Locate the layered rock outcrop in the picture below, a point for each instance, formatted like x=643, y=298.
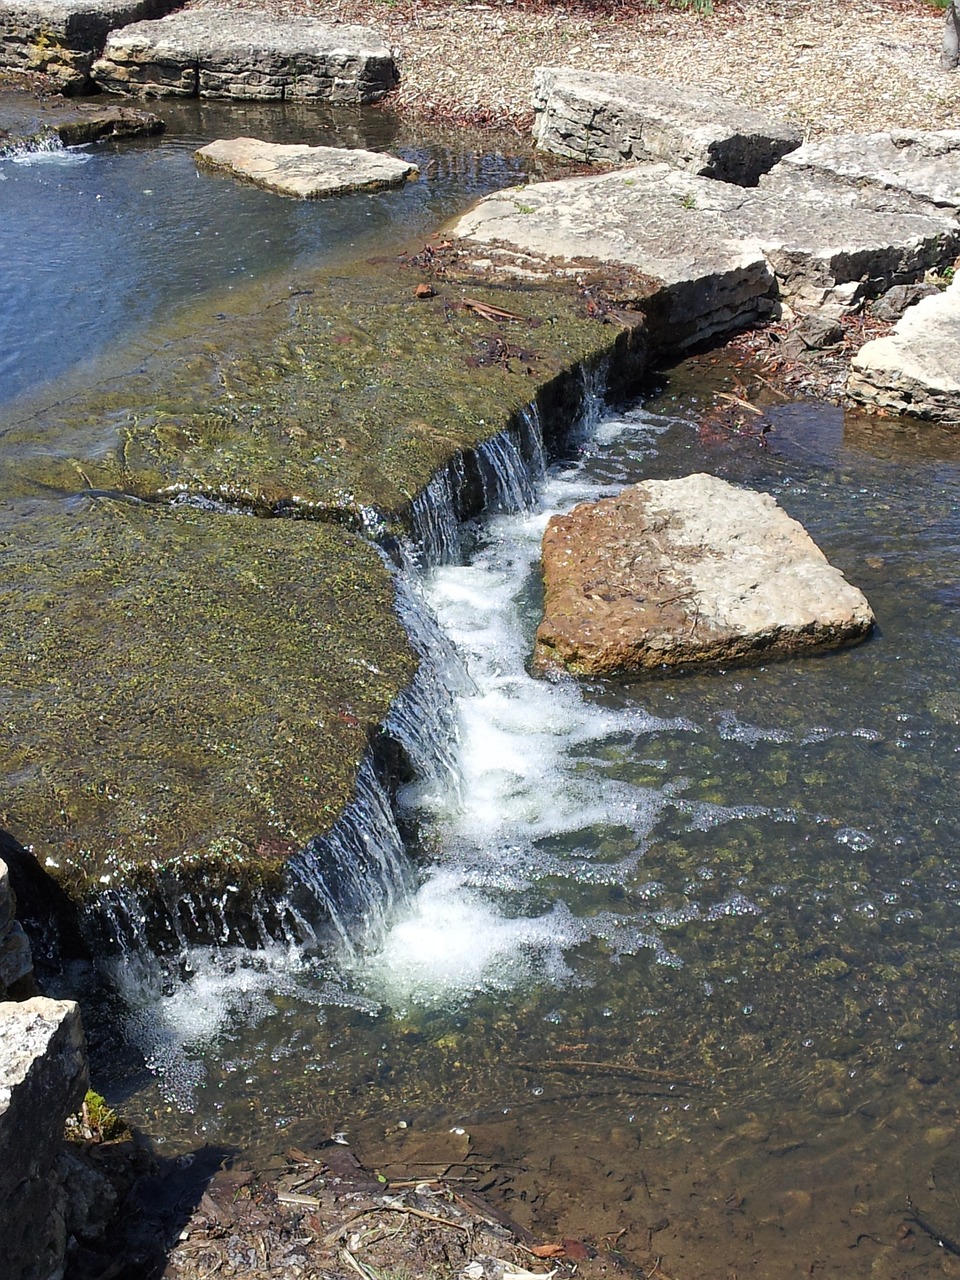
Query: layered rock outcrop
x=60, y=39
x=915, y=370
x=599, y=117
x=921, y=165
x=686, y=573
x=724, y=255
x=16, y=961
x=218, y=53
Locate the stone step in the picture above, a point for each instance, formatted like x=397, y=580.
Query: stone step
x=723, y=253
x=601, y=117
x=306, y=173
x=687, y=573
x=61, y=38
x=216, y=53
x=915, y=370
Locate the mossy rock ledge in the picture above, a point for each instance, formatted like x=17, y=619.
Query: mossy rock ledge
x=187, y=691
x=186, y=698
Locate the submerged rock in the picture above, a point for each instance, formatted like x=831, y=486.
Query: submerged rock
x=224, y=53
x=81, y=125
x=340, y=402
x=915, y=370
x=598, y=116
x=302, y=171
x=186, y=695
x=683, y=573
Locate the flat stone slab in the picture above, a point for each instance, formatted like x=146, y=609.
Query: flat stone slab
x=597, y=116
x=715, y=246
x=61, y=38
x=923, y=164
x=915, y=370
x=684, y=573
x=301, y=171
x=219, y=53
x=201, y=705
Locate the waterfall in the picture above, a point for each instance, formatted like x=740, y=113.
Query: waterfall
x=341, y=890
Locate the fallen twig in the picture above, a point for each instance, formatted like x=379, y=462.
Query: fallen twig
x=578, y=1066
x=488, y=312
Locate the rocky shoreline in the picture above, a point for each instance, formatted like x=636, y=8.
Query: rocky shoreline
x=311, y=411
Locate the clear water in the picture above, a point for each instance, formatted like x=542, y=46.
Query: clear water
x=682, y=957
x=693, y=938
x=100, y=242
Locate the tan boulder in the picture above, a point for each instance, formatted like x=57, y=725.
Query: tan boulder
x=687, y=572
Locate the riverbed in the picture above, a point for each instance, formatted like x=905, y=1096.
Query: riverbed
x=677, y=965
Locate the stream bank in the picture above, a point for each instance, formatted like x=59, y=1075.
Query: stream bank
x=444, y=1046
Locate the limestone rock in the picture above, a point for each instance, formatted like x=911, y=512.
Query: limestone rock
x=915, y=370
x=82, y=125
x=921, y=164
x=600, y=116
x=94, y=124
x=302, y=171
x=683, y=573
x=663, y=223
x=895, y=301
x=43, y=1079
x=61, y=38
x=716, y=247
x=217, y=53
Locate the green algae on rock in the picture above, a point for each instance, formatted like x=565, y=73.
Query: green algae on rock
x=347, y=396
x=185, y=696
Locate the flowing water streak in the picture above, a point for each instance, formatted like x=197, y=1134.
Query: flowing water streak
x=526, y=815
x=344, y=889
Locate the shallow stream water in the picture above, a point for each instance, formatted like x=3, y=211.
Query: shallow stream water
x=680, y=972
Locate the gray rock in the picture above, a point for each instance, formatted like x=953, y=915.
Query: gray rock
x=302, y=171
x=687, y=572
x=90, y=1197
x=600, y=116
x=61, y=38
x=922, y=165
x=16, y=960
x=217, y=53
x=43, y=1078
x=716, y=247
x=895, y=301
x=915, y=370
x=817, y=331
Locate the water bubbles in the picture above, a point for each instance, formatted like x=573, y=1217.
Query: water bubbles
x=854, y=839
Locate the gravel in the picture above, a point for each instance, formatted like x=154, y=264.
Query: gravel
x=830, y=66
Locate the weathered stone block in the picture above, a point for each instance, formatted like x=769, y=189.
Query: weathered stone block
x=715, y=246
x=43, y=1078
x=915, y=370
x=921, y=165
x=301, y=171
x=215, y=53
x=61, y=38
x=689, y=572
x=599, y=116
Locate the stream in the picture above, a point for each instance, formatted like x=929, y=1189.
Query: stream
x=679, y=958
